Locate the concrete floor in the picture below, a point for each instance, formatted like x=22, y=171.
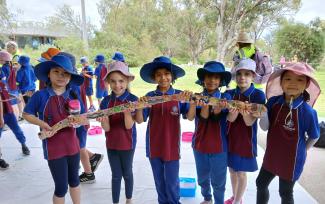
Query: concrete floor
x=29, y=181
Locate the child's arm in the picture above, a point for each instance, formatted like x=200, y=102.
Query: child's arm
x=247, y=117
x=204, y=111
x=264, y=122
x=2, y=123
x=36, y=121
x=104, y=121
x=192, y=111
x=128, y=120
x=310, y=143
x=139, y=112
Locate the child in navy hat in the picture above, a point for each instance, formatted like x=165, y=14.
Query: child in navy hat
x=209, y=141
x=242, y=134
x=26, y=78
x=87, y=72
x=46, y=108
x=163, y=131
x=100, y=72
x=89, y=160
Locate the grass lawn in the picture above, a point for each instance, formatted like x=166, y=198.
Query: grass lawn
x=140, y=88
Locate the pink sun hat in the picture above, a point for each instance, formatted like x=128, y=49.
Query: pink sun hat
x=118, y=66
x=5, y=56
x=273, y=86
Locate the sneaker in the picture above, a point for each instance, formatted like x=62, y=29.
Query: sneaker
x=128, y=201
x=230, y=200
x=91, y=109
x=87, y=178
x=25, y=149
x=206, y=202
x=3, y=164
x=95, y=161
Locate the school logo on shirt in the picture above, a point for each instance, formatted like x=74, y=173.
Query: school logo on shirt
x=289, y=125
x=174, y=110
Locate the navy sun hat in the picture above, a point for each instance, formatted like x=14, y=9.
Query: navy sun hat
x=214, y=67
x=148, y=69
x=42, y=69
x=100, y=58
x=118, y=56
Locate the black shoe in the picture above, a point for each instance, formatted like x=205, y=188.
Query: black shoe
x=87, y=178
x=25, y=149
x=95, y=161
x=3, y=164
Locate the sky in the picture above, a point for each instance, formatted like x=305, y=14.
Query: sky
x=37, y=10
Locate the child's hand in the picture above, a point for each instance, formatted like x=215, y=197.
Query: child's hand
x=143, y=100
x=245, y=111
x=186, y=95
x=233, y=110
x=103, y=119
x=45, y=126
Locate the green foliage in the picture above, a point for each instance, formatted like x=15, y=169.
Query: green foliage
x=305, y=41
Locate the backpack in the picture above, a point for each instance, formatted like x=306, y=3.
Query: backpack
x=264, y=67
x=321, y=141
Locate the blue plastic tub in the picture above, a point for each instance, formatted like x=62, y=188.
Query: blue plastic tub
x=187, y=187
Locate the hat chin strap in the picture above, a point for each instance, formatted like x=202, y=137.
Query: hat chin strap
x=288, y=120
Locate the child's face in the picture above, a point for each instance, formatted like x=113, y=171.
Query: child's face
x=244, y=78
x=118, y=83
x=293, y=84
x=163, y=77
x=11, y=49
x=211, y=82
x=59, y=77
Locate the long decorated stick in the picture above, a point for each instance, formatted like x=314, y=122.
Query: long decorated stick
x=82, y=119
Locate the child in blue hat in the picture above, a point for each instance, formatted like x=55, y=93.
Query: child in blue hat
x=209, y=141
x=26, y=78
x=163, y=131
x=100, y=72
x=46, y=108
x=87, y=72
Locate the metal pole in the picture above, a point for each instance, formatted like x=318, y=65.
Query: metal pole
x=84, y=25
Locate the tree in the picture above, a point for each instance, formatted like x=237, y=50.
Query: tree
x=232, y=16
x=305, y=41
x=6, y=20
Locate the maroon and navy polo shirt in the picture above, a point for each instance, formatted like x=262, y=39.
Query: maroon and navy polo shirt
x=118, y=137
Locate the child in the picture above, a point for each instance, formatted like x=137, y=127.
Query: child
x=89, y=160
x=163, y=131
x=292, y=126
x=8, y=113
x=120, y=130
x=26, y=78
x=242, y=133
x=209, y=141
x=51, y=106
x=87, y=72
x=100, y=72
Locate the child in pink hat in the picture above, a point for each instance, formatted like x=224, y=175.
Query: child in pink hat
x=120, y=130
x=291, y=93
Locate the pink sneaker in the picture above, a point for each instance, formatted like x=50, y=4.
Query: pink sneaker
x=229, y=201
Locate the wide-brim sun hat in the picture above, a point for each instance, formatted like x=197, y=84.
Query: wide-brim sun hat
x=118, y=56
x=5, y=56
x=148, y=69
x=244, y=64
x=119, y=66
x=100, y=58
x=214, y=67
x=243, y=37
x=273, y=86
x=42, y=69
